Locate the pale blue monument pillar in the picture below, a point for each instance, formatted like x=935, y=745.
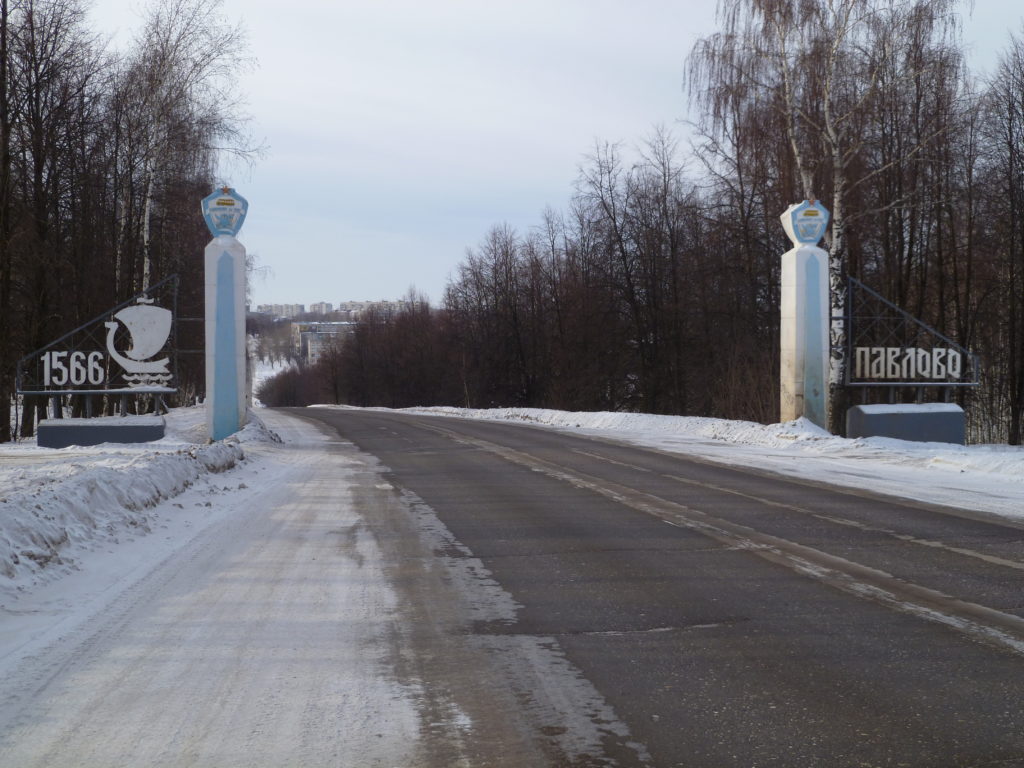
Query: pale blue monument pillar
x=805, y=305
x=226, y=397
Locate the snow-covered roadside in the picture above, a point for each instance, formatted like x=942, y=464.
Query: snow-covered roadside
x=57, y=504
x=79, y=525
x=984, y=478
x=295, y=609
x=209, y=635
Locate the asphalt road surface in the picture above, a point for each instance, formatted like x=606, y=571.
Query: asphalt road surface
x=704, y=616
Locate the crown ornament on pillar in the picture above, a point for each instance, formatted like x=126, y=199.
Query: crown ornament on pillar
x=224, y=212
x=805, y=222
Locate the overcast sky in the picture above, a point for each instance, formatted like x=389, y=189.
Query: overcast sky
x=399, y=131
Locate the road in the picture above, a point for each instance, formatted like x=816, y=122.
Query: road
x=386, y=590
x=714, y=616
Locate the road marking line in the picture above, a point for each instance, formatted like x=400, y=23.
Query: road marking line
x=975, y=620
x=992, y=559
x=599, y=457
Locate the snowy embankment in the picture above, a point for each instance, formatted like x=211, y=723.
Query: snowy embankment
x=55, y=504
x=984, y=478
x=58, y=505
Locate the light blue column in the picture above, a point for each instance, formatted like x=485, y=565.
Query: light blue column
x=224, y=212
x=814, y=346
x=804, y=316
x=225, y=378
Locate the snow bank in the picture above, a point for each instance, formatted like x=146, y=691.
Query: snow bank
x=800, y=436
x=748, y=432
x=53, y=502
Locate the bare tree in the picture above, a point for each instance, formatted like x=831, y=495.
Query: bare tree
x=181, y=101
x=1006, y=126
x=819, y=63
x=6, y=272
x=102, y=161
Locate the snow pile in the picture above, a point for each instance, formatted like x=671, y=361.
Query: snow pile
x=255, y=431
x=987, y=478
x=53, y=502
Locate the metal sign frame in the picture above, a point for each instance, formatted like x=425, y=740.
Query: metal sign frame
x=874, y=321
x=86, y=340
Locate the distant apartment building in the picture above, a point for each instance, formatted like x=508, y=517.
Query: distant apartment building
x=282, y=310
x=311, y=339
x=353, y=310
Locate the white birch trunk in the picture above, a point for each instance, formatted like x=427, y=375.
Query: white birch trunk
x=837, y=300
x=146, y=214
x=121, y=217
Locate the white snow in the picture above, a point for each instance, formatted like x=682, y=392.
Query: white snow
x=266, y=369
x=80, y=524
x=153, y=581
x=57, y=503
x=983, y=478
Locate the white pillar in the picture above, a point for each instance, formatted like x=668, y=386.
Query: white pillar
x=804, y=301
x=226, y=395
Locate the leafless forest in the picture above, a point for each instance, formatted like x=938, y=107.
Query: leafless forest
x=103, y=159
x=656, y=287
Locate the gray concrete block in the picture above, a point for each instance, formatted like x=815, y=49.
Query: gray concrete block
x=61, y=433
x=928, y=423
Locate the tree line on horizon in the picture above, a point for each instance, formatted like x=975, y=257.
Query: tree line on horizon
x=104, y=158
x=656, y=288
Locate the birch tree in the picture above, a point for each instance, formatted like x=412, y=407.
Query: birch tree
x=182, y=99
x=1006, y=125
x=818, y=63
